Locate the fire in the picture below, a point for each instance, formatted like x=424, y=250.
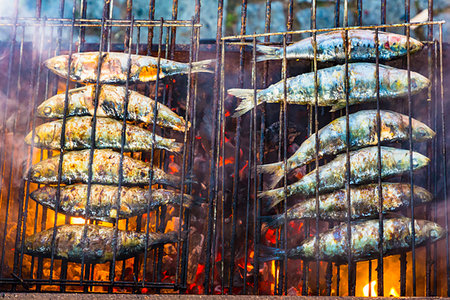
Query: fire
x=77, y=221
x=372, y=291
x=392, y=293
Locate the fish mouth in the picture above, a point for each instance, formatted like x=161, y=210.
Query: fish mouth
x=57, y=64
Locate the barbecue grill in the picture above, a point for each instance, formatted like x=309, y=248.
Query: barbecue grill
x=221, y=254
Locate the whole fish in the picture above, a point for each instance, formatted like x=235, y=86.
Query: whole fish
x=363, y=132
x=105, y=170
x=331, y=87
x=114, y=67
x=363, y=169
x=97, y=247
x=111, y=103
x=332, y=244
x=133, y=200
x=364, y=203
x=108, y=134
x=330, y=47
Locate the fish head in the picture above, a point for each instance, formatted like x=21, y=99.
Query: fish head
x=420, y=131
x=418, y=82
x=431, y=230
x=45, y=134
x=44, y=171
x=44, y=195
x=418, y=160
x=53, y=107
x=421, y=195
x=58, y=65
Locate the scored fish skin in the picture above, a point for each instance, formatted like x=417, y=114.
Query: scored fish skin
x=111, y=103
x=331, y=83
x=105, y=170
x=364, y=203
x=99, y=243
x=108, y=135
x=114, y=68
x=363, y=132
x=330, y=47
x=397, y=236
x=133, y=201
x=363, y=169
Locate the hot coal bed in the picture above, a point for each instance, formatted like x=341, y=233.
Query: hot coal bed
x=223, y=245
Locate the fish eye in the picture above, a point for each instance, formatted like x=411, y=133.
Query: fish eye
x=47, y=110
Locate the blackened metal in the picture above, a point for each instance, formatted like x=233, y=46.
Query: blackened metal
x=316, y=131
x=106, y=30
x=117, y=205
x=359, y=6
x=151, y=16
x=338, y=278
x=411, y=177
x=152, y=152
x=92, y=141
x=211, y=191
x=383, y=12
x=370, y=278
x=403, y=263
x=22, y=221
x=128, y=34
x=4, y=107
x=81, y=39
x=380, y=270
x=237, y=151
x=444, y=156
x=290, y=20
x=436, y=153
x=255, y=174
x=283, y=123
x=337, y=13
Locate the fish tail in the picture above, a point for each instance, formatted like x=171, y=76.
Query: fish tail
x=276, y=171
x=247, y=102
x=271, y=197
x=169, y=237
x=269, y=53
x=272, y=221
x=176, y=147
x=206, y=66
x=270, y=253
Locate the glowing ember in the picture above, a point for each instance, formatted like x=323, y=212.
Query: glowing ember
x=77, y=221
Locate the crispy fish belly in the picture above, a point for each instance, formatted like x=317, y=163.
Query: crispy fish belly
x=330, y=47
x=103, y=198
x=364, y=203
x=397, y=236
x=114, y=67
x=98, y=246
x=105, y=170
x=363, y=169
x=108, y=134
x=111, y=103
x=331, y=87
x=362, y=132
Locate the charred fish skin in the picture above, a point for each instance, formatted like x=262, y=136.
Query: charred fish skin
x=98, y=246
x=108, y=135
x=397, y=236
x=134, y=201
x=111, y=103
x=362, y=132
x=331, y=91
x=330, y=47
x=114, y=67
x=364, y=203
x=105, y=170
x=363, y=169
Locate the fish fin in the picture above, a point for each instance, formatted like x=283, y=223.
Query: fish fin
x=272, y=221
x=267, y=253
x=246, y=103
x=276, y=171
x=206, y=66
x=270, y=53
x=271, y=197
